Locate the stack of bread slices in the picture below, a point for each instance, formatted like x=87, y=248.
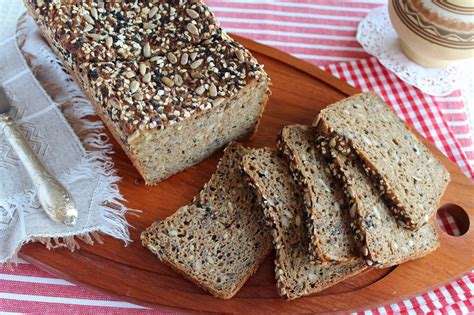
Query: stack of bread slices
x=356, y=190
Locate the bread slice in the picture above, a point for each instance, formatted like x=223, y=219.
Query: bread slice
x=283, y=207
x=328, y=215
x=218, y=241
x=409, y=177
x=381, y=240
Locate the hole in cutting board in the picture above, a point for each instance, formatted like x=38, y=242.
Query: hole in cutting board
x=453, y=219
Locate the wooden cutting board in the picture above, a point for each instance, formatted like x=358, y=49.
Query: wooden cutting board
x=132, y=273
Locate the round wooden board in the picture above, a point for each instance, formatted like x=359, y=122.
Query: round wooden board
x=299, y=92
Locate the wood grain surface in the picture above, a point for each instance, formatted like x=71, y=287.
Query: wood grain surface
x=132, y=273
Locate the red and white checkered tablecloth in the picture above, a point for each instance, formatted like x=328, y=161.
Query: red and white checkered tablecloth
x=323, y=33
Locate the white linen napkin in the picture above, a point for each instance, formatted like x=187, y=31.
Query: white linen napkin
x=73, y=147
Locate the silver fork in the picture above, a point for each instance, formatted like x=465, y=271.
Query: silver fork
x=53, y=196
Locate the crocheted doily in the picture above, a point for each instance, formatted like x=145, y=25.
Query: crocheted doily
x=378, y=37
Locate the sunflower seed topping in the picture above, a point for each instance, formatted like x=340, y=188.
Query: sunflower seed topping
x=88, y=28
x=167, y=81
x=186, y=51
x=178, y=80
x=134, y=86
x=212, y=90
x=184, y=58
x=94, y=13
x=192, y=29
x=196, y=64
x=172, y=58
x=129, y=74
x=147, y=78
x=147, y=50
x=88, y=19
x=149, y=26
x=152, y=12
x=109, y=41
x=142, y=68
x=200, y=90
x=240, y=55
x=95, y=37
x=192, y=14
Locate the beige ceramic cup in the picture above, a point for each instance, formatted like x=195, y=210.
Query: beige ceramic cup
x=434, y=33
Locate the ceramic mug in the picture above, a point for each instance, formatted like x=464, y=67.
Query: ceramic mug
x=434, y=33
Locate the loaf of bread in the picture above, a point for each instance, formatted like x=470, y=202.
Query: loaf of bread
x=407, y=174
x=326, y=208
x=381, y=240
x=283, y=207
x=169, y=83
x=220, y=239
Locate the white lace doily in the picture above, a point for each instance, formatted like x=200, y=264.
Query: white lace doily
x=378, y=37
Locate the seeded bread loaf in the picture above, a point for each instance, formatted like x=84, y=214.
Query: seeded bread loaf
x=328, y=216
x=283, y=207
x=220, y=239
x=409, y=177
x=169, y=83
x=381, y=240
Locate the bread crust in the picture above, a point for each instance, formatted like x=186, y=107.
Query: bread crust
x=362, y=228
x=125, y=140
x=245, y=212
x=217, y=293
x=345, y=146
x=317, y=252
x=351, y=268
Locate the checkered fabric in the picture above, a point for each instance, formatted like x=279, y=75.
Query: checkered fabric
x=323, y=33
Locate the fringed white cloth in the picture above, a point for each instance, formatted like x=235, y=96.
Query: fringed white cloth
x=52, y=112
